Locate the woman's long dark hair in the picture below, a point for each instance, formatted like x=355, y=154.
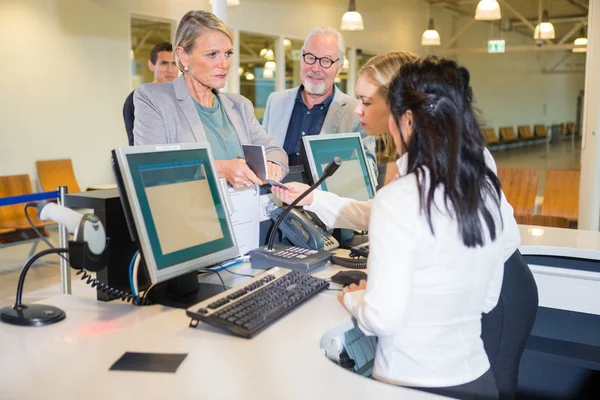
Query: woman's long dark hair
x=447, y=141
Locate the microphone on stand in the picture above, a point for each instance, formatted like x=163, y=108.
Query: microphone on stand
x=267, y=257
x=329, y=170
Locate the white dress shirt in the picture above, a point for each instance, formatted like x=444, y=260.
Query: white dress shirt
x=425, y=293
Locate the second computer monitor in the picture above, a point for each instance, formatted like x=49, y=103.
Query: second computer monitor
x=354, y=179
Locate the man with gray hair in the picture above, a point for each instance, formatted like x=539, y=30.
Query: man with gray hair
x=317, y=106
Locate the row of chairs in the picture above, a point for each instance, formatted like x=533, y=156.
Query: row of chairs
x=507, y=134
x=560, y=205
x=14, y=227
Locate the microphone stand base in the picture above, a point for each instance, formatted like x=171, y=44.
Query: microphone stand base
x=32, y=315
x=290, y=257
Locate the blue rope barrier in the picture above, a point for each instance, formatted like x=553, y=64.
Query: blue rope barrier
x=7, y=201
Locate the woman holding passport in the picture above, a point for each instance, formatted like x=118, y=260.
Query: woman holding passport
x=439, y=236
x=192, y=109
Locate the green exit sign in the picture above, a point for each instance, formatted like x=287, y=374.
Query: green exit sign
x=495, y=46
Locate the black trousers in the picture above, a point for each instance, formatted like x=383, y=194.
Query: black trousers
x=482, y=388
x=505, y=329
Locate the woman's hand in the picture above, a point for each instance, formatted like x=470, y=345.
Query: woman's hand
x=237, y=173
x=295, y=190
x=362, y=285
x=274, y=171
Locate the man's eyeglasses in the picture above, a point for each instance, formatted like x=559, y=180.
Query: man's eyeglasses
x=324, y=62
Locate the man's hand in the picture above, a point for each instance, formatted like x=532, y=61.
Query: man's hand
x=237, y=173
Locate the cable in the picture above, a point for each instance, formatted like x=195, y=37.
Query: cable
x=49, y=243
x=237, y=273
x=131, y=271
x=218, y=274
x=352, y=263
x=136, y=266
x=104, y=288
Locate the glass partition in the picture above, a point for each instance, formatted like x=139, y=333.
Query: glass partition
x=257, y=69
x=145, y=34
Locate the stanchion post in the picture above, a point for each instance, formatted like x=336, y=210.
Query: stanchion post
x=63, y=243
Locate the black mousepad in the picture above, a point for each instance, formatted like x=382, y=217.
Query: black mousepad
x=148, y=362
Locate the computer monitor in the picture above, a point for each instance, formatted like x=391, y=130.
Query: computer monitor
x=354, y=179
x=175, y=208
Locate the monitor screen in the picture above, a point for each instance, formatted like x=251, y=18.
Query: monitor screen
x=177, y=207
x=354, y=178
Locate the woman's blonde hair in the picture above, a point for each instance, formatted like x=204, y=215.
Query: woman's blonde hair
x=192, y=25
x=381, y=69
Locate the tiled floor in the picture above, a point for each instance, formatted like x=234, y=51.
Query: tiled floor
x=557, y=156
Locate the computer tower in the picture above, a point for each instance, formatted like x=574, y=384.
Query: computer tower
x=106, y=205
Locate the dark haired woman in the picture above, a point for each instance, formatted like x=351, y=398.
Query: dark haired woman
x=439, y=236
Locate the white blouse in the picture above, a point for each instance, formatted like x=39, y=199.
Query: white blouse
x=425, y=293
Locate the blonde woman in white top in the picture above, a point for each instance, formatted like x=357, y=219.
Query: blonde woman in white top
x=439, y=236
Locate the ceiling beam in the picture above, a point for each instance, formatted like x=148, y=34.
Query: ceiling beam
x=559, y=20
x=460, y=32
x=576, y=3
x=508, y=49
x=572, y=32
x=521, y=17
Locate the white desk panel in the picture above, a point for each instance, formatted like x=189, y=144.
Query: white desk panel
x=537, y=240
x=71, y=359
x=564, y=288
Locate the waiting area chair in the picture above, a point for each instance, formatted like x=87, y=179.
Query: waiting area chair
x=13, y=222
x=525, y=132
x=520, y=188
x=540, y=131
x=507, y=134
x=55, y=173
x=490, y=136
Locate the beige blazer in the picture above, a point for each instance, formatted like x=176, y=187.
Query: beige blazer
x=165, y=113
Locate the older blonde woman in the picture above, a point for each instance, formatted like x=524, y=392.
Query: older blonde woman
x=192, y=109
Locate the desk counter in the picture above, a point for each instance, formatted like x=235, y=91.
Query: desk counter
x=71, y=359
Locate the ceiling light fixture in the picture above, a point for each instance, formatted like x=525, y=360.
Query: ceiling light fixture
x=581, y=39
x=545, y=29
x=271, y=65
x=267, y=73
x=488, y=10
x=430, y=37
x=352, y=20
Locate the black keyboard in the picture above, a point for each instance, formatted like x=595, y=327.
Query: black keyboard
x=250, y=307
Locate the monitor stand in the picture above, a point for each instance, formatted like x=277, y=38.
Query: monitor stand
x=183, y=291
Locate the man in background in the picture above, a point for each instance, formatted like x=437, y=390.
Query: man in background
x=317, y=106
x=162, y=64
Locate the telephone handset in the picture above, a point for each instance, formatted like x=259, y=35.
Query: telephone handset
x=300, y=229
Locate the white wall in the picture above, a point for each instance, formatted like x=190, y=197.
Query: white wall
x=512, y=89
x=66, y=68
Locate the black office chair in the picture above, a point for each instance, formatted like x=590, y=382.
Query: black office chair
x=506, y=328
x=128, y=117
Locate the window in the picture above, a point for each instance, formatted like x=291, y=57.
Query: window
x=257, y=69
x=145, y=34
